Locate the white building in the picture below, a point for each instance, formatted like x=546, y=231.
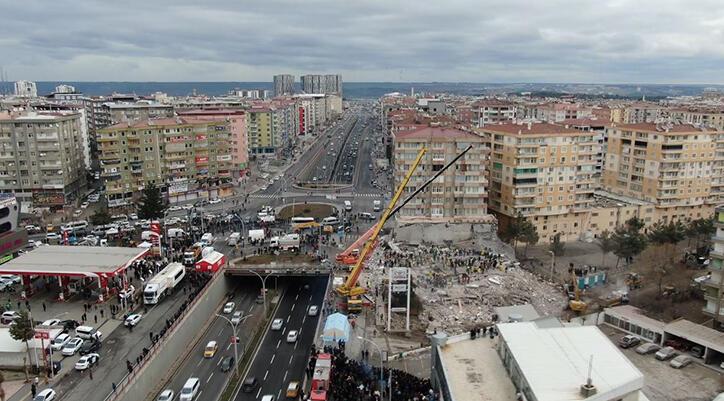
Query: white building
x=64, y=89
x=26, y=89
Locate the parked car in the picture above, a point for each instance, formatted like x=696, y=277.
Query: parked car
x=681, y=361
x=292, y=336
x=69, y=324
x=47, y=394
x=127, y=293
x=89, y=346
x=84, y=205
x=59, y=342
x=227, y=363
x=629, y=341
x=72, y=346
x=647, y=348
x=293, y=389
x=166, y=395
x=229, y=307
x=277, y=324
x=51, y=322
x=214, y=201
x=249, y=384
x=86, y=361
x=9, y=316
x=696, y=351
x=666, y=353
x=52, y=236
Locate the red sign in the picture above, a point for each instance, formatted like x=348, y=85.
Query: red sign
x=200, y=137
x=44, y=335
x=156, y=226
x=202, y=160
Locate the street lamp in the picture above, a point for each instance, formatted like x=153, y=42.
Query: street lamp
x=236, y=338
x=382, y=371
x=263, y=285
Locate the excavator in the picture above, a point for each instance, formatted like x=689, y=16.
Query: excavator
x=575, y=302
x=350, y=289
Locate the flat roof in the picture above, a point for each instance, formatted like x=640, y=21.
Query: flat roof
x=633, y=314
x=555, y=361
x=474, y=371
x=697, y=333
x=90, y=261
x=526, y=312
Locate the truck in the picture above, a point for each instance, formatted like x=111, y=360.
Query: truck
x=256, y=235
x=193, y=254
x=266, y=217
x=163, y=283
x=233, y=239
x=286, y=242
x=376, y=205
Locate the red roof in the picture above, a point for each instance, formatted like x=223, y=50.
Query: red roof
x=653, y=127
x=435, y=132
x=530, y=129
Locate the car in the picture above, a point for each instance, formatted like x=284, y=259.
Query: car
x=52, y=236
x=86, y=361
x=174, y=208
x=72, y=346
x=666, y=353
x=59, y=342
x=84, y=205
x=69, y=324
x=11, y=277
x=31, y=229
x=166, y=395
x=249, y=384
x=210, y=349
x=9, y=316
x=89, y=346
x=132, y=320
x=214, y=201
x=51, y=322
x=236, y=317
x=292, y=336
x=277, y=324
x=133, y=216
x=647, y=348
x=47, y=394
x=128, y=292
x=293, y=389
x=77, y=212
x=267, y=397
x=628, y=341
x=313, y=310
x=229, y=307
x=696, y=351
x=680, y=361
x=227, y=363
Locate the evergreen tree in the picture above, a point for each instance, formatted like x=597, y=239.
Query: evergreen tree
x=22, y=330
x=606, y=243
x=151, y=203
x=665, y=236
x=557, y=246
x=100, y=217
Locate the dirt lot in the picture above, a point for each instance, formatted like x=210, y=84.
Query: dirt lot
x=664, y=383
x=316, y=210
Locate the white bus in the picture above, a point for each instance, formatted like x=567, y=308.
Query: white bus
x=74, y=226
x=297, y=220
x=9, y=213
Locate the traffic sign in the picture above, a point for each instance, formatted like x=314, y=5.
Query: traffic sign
x=41, y=334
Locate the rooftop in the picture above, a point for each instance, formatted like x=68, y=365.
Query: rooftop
x=555, y=361
x=531, y=129
x=162, y=122
x=632, y=313
x=35, y=116
x=697, y=333
x=671, y=128
x=89, y=261
x=437, y=133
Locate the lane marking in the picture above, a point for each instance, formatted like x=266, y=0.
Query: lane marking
x=283, y=330
x=285, y=376
x=297, y=297
x=199, y=364
x=220, y=331
x=289, y=317
x=304, y=319
x=251, y=307
x=258, y=392
x=220, y=359
x=228, y=346
x=310, y=297
x=290, y=359
x=272, y=360
x=295, y=345
x=209, y=379
x=279, y=394
x=266, y=374
x=293, y=305
x=279, y=343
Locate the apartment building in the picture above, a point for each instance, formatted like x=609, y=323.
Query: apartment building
x=283, y=84
x=713, y=286
x=326, y=84
x=237, y=126
x=26, y=89
x=493, y=111
x=42, y=157
x=140, y=110
x=707, y=116
x=554, y=112
x=263, y=131
x=543, y=171
x=312, y=111
x=669, y=165
x=456, y=196
x=187, y=157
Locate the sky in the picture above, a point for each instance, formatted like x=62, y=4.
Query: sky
x=588, y=41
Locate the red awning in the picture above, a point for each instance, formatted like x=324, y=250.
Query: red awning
x=211, y=263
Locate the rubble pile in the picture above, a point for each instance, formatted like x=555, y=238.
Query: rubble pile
x=459, y=288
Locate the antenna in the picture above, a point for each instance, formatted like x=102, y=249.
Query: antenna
x=589, y=389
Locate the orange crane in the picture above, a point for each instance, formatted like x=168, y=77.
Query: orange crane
x=350, y=289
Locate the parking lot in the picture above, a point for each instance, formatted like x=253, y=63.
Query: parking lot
x=663, y=383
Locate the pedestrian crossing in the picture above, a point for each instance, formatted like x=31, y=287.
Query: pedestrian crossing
x=263, y=196
x=291, y=195
x=368, y=195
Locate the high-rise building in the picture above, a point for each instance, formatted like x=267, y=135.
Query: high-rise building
x=42, y=157
x=713, y=286
x=672, y=166
x=459, y=194
x=26, y=89
x=333, y=84
x=65, y=89
x=283, y=84
x=323, y=84
x=237, y=127
x=187, y=157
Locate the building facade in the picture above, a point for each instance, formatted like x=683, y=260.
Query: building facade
x=713, y=286
x=283, y=84
x=459, y=194
x=325, y=84
x=26, y=89
x=239, y=137
x=42, y=157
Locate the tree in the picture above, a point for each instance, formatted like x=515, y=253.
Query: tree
x=628, y=240
x=698, y=229
x=151, y=203
x=520, y=230
x=100, y=217
x=529, y=235
x=665, y=236
x=606, y=243
x=557, y=246
x=22, y=330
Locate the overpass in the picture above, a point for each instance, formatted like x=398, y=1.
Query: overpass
x=239, y=268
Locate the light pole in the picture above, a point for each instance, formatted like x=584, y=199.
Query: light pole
x=553, y=262
x=263, y=284
x=382, y=371
x=236, y=338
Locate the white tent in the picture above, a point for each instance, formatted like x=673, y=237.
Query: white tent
x=145, y=245
x=336, y=328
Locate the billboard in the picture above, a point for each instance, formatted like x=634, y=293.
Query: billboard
x=200, y=137
x=223, y=158
x=12, y=242
x=177, y=188
x=202, y=160
x=48, y=198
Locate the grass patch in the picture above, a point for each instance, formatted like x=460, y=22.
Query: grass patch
x=316, y=210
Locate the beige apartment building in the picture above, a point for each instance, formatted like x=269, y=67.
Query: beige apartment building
x=672, y=166
x=459, y=194
x=42, y=157
x=545, y=172
x=188, y=158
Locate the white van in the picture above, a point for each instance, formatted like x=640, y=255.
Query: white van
x=376, y=205
x=348, y=206
x=233, y=239
x=176, y=233
x=208, y=239
x=87, y=332
x=190, y=389
x=147, y=235
x=74, y=225
x=330, y=221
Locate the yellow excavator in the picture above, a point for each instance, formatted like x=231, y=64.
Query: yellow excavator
x=350, y=289
x=576, y=304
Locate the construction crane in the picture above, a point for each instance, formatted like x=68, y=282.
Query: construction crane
x=350, y=289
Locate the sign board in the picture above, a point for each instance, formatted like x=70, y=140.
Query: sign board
x=223, y=158
x=44, y=199
x=399, y=287
x=399, y=273
x=176, y=188
x=398, y=309
x=42, y=334
x=202, y=160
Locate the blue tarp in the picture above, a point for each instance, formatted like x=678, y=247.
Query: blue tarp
x=336, y=328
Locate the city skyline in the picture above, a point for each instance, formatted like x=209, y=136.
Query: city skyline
x=615, y=42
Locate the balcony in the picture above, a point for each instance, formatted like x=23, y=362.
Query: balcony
x=52, y=147
x=50, y=165
x=46, y=137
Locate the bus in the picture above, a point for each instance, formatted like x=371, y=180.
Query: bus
x=9, y=213
x=297, y=220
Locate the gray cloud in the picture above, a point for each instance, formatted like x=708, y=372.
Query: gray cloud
x=647, y=41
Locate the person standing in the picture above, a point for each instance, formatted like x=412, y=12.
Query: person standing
x=33, y=390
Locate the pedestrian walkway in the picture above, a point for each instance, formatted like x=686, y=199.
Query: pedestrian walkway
x=367, y=195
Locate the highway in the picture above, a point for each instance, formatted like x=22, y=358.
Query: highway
x=208, y=370
x=278, y=362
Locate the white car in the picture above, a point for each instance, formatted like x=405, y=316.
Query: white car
x=72, y=346
x=50, y=322
x=86, y=361
x=59, y=342
x=9, y=316
x=214, y=201
x=229, y=307
x=313, y=310
x=84, y=205
x=52, y=236
x=174, y=208
x=11, y=277
x=127, y=293
x=166, y=395
x=277, y=324
x=133, y=216
x=45, y=395
x=292, y=336
x=236, y=317
x=77, y=212
x=132, y=320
